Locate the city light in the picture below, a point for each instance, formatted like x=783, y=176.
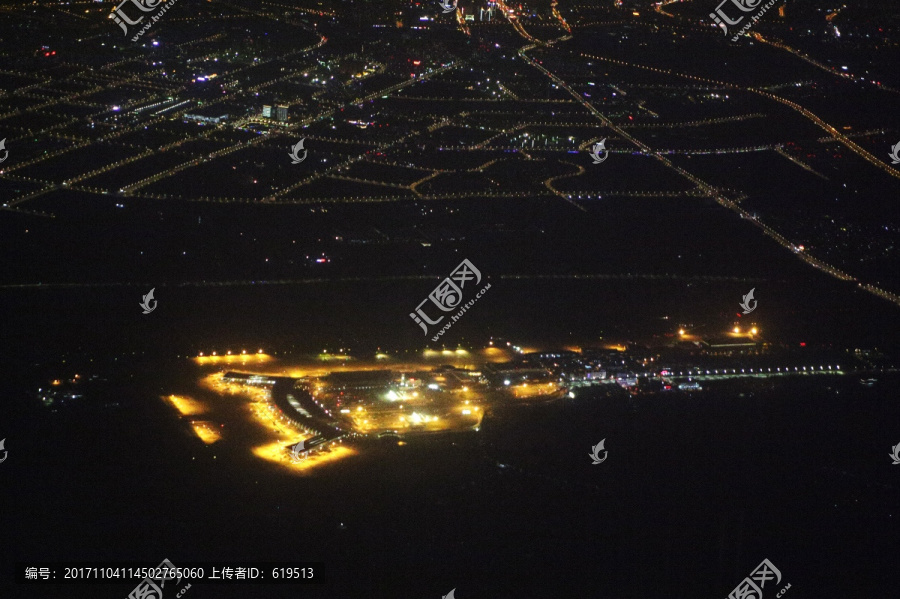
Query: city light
x=483, y=153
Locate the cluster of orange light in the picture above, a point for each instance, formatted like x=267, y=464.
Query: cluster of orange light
x=207, y=431
x=533, y=390
x=215, y=382
x=230, y=358
x=270, y=418
x=752, y=331
x=276, y=452
x=186, y=406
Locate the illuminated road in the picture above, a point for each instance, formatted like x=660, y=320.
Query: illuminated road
x=710, y=190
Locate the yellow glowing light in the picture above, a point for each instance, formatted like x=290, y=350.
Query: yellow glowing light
x=681, y=331
x=186, y=406
x=737, y=329
x=275, y=452
x=214, y=359
x=206, y=431
x=753, y=331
